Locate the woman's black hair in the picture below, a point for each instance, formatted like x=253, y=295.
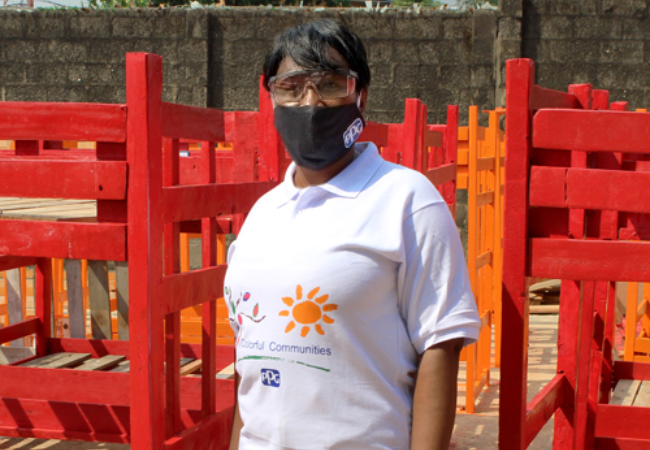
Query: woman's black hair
x=309, y=46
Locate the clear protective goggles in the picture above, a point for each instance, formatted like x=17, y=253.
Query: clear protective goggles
x=289, y=88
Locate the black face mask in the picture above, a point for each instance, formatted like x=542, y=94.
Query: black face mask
x=318, y=136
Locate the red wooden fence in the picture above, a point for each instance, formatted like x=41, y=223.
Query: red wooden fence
x=567, y=197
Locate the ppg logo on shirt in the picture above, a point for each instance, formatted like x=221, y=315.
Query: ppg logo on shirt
x=352, y=133
x=271, y=377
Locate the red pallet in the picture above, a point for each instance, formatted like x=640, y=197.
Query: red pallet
x=567, y=195
x=141, y=206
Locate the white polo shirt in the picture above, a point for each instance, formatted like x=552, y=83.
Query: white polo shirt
x=333, y=291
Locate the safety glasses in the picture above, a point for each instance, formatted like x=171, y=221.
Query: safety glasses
x=289, y=88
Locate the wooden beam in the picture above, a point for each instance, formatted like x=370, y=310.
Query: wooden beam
x=99, y=300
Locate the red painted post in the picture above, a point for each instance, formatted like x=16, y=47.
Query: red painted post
x=43, y=304
x=147, y=345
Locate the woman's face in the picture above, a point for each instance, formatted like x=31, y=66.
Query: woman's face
x=311, y=97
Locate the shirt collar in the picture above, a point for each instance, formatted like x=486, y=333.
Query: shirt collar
x=349, y=182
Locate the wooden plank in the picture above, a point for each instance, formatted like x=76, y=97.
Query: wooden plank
x=188, y=289
x=621, y=444
x=14, y=300
x=630, y=422
x=105, y=362
x=483, y=260
x=484, y=198
x=122, y=295
x=484, y=164
x=624, y=370
x=19, y=330
x=123, y=367
x=66, y=360
x=39, y=203
x=605, y=131
x=543, y=406
x=192, y=367
x=227, y=373
x=12, y=262
x=572, y=259
x=55, y=385
x=548, y=98
x=548, y=186
x=643, y=396
x=99, y=300
x=641, y=310
x=63, y=121
x=76, y=311
x=441, y=175
x=191, y=122
x=37, y=362
x=212, y=432
x=625, y=392
x=642, y=345
x=185, y=203
x=64, y=239
x=544, y=309
x=92, y=179
x=608, y=189
x=432, y=138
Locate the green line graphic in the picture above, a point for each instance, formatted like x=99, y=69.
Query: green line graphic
x=275, y=358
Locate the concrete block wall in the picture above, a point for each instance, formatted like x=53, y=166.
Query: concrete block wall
x=214, y=57
x=603, y=42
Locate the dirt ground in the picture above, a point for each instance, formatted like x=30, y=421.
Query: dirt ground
x=472, y=431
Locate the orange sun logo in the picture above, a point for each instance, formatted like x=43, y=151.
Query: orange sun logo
x=307, y=312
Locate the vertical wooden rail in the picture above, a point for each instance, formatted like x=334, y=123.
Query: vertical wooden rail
x=414, y=155
x=209, y=309
x=271, y=163
x=520, y=76
x=76, y=311
x=145, y=233
x=451, y=155
x=43, y=304
x=13, y=299
x=171, y=177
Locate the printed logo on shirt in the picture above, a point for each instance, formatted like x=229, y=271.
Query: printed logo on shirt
x=253, y=315
x=352, y=133
x=308, y=312
x=270, y=377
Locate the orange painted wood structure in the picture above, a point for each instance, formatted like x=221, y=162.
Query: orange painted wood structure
x=572, y=202
x=140, y=215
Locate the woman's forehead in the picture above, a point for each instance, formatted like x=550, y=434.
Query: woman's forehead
x=289, y=65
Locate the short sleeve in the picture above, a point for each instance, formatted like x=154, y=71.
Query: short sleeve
x=435, y=295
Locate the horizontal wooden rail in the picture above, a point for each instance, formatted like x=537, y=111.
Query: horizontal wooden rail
x=184, y=290
x=375, y=132
x=618, y=190
x=641, y=310
x=621, y=444
x=19, y=330
x=64, y=435
x=102, y=241
x=192, y=122
x=543, y=406
x=432, y=139
x=210, y=200
x=484, y=198
x=628, y=370
x=570, y=259
x=105, y=180
x=642, y=345
x=609, y=419
x=441, y=175
x=549, y=98
x=597, y=131
x=15, y=262
x=215, y=430
x=63, y=121
x=483, y=260
x=64, y=385
x=483, y=164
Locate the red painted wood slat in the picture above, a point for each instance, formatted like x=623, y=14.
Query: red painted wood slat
x=608, y=189
x=627, y=370
x=611, y=419
x=16, y=331
x=432, y=138
x=548, y=98
x=375, y=132
x=191, y=122
x=547, y=186
x=188, y=289
x=63, y=179
x=14, y=262
x=441, y=175
x=592, y=131
x=185, y=203
x=64, y=385
x=63, y=240
x=621, y=444
x=543, y=406
x=62, y=121
x=570, y=259
x=214, y=430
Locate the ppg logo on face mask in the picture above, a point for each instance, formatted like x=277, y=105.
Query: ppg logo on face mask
x=271, y=377
x=352, y=133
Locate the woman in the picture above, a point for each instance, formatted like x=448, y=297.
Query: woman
x=346, y=280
